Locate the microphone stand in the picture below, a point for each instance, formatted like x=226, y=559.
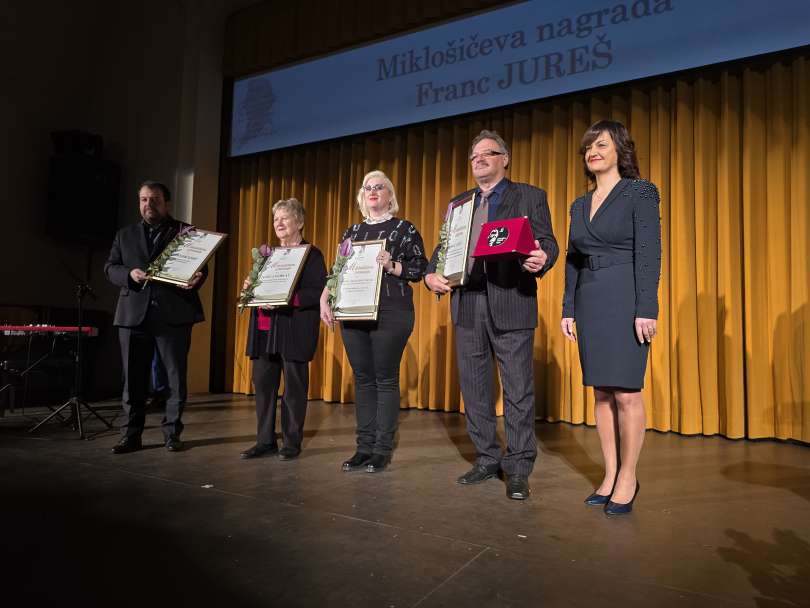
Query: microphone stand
x=75, y=403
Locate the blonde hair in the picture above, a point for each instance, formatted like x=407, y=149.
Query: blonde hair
x=293, y=206
x=361, y=201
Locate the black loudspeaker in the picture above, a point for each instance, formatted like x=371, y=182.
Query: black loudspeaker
x=83, y=192
x=77, y=143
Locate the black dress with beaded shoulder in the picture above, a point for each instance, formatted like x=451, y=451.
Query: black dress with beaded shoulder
x=612, y=270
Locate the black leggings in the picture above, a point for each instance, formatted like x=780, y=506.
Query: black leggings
x=375, y=349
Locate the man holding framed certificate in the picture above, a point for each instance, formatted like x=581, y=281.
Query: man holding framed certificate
x=494, y=310
x=151, y=315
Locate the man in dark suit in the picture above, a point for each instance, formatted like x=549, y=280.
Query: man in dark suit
x=151, y=315
x=496, y=312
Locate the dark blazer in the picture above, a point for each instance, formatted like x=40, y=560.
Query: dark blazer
x=511, y=291
x=627, y=225
x=294, y=329
x=129, y=250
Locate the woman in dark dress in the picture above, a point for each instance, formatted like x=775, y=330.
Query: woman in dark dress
x=375, y=347
x=284, y=338
x=611, y=293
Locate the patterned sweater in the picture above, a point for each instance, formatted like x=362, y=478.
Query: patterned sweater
x=405, y=245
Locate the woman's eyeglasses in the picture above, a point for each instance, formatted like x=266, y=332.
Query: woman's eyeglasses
x=374, y=188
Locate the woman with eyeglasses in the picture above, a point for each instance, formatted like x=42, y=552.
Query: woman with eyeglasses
x=375, y=347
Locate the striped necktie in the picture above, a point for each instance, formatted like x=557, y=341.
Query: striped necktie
x=480, y=216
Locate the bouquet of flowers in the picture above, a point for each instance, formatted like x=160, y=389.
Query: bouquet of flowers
x=159, y=262
x=343, y=254
x=260, y=256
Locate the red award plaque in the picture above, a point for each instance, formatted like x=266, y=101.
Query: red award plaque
x=505, y=239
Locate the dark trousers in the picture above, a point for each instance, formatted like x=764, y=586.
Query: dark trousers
x=159, y=380
x=476, y=343
x=375, y=349
x=138, y=346
x=266, y=379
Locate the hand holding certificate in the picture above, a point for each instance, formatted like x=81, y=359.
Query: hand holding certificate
x=357, y=282
x=459, y=220
x=184, y=257
x=454, y=245
x=275, y=275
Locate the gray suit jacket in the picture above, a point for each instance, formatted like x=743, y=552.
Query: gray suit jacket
x=511, y=291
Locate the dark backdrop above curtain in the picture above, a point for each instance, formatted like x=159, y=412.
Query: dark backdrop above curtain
x=727, y=147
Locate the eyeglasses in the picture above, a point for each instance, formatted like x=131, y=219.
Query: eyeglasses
x=485, y=154
x=374, y=188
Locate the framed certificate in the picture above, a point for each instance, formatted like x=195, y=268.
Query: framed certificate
x=358, y=287
x=458, y=241
x=279, y=276
x=184, y=256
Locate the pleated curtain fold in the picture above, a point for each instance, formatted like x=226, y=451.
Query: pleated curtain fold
x=728, y=148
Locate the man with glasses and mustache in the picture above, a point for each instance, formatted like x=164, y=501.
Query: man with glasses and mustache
x=151, y=316
x=495, y=312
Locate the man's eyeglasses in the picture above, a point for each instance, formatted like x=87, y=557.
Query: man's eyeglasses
x=374, y=188
x=485, y=154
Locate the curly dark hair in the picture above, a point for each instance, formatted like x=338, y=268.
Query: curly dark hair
x=625, y=148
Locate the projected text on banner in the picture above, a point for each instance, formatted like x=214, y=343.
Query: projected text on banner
x=525, y=51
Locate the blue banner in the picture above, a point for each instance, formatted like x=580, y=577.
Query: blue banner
x=526, y=51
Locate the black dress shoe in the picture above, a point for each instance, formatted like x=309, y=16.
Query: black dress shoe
x=477, y=474
x=286, y=453
x=597, y=499
x=622, y=508
x=127, y=445
x=517, y=487
x=377, y=463
x=173, y=444
x=356, y=462
x=257, y=451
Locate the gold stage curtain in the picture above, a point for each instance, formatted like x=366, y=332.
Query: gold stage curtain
x=728, y=150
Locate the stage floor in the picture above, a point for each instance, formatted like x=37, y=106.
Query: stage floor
x=716, y=523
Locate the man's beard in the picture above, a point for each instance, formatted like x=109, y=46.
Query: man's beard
x=153, y=217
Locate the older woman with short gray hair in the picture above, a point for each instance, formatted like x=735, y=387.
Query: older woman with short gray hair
x=284, y=339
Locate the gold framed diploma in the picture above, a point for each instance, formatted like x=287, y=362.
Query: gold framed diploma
x=279, y=275
x=184, y=256
x=358, y=286
x=458, y=241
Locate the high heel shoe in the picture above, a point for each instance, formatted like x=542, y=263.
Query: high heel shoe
x=597, y=499
x=620, y=508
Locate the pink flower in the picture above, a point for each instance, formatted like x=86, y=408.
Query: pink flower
x=265, y=250
x=345, y=248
